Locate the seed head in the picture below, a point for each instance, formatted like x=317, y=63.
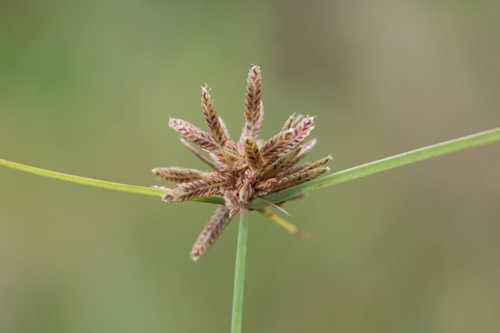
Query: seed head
x=243, y=170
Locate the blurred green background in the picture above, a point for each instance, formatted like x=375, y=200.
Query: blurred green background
x=88, y=87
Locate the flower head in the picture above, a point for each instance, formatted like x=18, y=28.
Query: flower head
x=241, y=170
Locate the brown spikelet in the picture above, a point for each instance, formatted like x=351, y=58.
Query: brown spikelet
x=297, y=120
x=193, y=134
x=319, y=163
x=258, y=122
x=215, y=179
x=299, y=178
x=178, y=194
x=213, y=122
x=275, y=145
x=224, y=128
x=303, y=150
x=288, y=122
x=252, y=154
x=286, y=141
x=273, y=167
x=301, y=131
x=253, y=101
x=179, y=175
x=219, y=220
x=219, y=159
x=198, y=154
x=306, y=167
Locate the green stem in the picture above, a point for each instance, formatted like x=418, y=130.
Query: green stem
x=239, y=273
x=443, y=148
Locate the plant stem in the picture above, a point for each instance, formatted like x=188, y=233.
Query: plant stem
x=443, y=148
x=239, y=273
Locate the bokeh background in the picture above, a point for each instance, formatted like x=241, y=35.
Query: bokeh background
x=87, y=87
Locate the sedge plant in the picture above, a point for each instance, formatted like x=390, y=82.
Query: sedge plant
x=252, y=174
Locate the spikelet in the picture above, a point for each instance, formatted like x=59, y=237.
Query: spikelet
x=179, y=175
x=297, y=120
x=224, y=128
x=214, y=180
x=273, y=167
x=202, y=193
x=299, y=178
x=193, y=134
x=253, y=102
x=303, y=150
x=317, y=164
x=272, y=148
x=286, y=141
x=219, y=220
x=179, y=195
x=214, y=126
x=306, y=167
x=198, y=154
x=252, y=154
x=219, y=159
x=288, y=122
x=286, y=161
x=301, y=131
x=259, y=121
